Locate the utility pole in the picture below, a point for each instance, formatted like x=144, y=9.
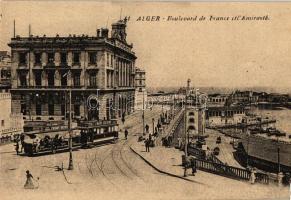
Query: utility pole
x=153, y=120
x=279, y=166
x=185, y=117
x=65, y=108
x=185, y=128
x=143, y=126
x=71, y=167
x=248, y=141
x=29, y=74
x=14, y=28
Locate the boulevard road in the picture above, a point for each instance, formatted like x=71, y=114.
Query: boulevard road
x=112, y=171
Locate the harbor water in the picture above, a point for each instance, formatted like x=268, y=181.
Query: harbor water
x=282, y=115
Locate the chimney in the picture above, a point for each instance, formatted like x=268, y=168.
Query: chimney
x=104, y=32
x=98, y=32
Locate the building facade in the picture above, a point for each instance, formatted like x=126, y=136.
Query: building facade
x=217, y=99
x=5, y=70
x=10, y=124
x=140, y=91
x=220, y=116
x=98, y=71
x=195, y=116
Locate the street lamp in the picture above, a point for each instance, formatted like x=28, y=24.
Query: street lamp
x=185, y=116
x=278, y=151
x=143, y=126
x=71, y=166
x=153, y=120
x=248, y=141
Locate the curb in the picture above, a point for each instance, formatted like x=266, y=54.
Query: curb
x=161, y=171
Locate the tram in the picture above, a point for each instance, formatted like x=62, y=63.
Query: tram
x=93, y=132
x=86, y=134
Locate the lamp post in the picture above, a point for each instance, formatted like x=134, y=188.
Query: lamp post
x=185, y=117
x=153, y=120
x=163, y=104
x=185, y=127
x=248, y=141
x=278, y=151
x=71, y=166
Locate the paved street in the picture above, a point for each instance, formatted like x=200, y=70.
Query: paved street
x=226, y=149
x=114, y=169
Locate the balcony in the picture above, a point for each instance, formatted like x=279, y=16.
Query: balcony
x=83, y=123
x=50, y=87
x=92, y=87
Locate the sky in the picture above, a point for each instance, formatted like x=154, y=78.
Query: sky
x=221, y=53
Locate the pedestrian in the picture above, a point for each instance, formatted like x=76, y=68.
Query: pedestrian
x=147, y=145
x=169, y=140
x=253, y=176
x=17, y=148
x=29, y=183
x=22, y=141
x=126, y=134
x=123, y=117
x=159, y=125
x=147, y=128
x=166, y=141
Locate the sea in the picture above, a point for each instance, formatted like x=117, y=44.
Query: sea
x=282, y=116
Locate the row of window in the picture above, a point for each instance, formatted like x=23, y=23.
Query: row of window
x=217, y=100
x=110, y=60
x=51, y=79
x=51, y=58
x=23, y=81
x=51, y=109
x=227, y=113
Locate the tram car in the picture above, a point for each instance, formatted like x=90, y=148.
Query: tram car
x=94, y=132
x=86, y=134
x=51, y=141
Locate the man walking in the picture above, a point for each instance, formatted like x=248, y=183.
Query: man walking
x=17, y=147
x=123, y=117
x=147, y=145
x=147, y=128
x=22, y=141
x=126, y=134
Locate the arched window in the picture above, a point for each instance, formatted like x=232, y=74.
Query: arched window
x=191, y=120
x=191, y=128
x=191, y=113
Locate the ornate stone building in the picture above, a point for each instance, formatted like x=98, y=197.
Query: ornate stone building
x=99, y=71
x=195, y=120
